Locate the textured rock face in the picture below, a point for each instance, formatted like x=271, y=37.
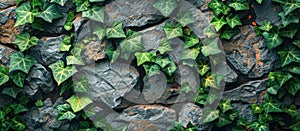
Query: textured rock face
x=267, y=10
x=39, y=79
x=243, y=96
x=5, y=54
x=6, y=3
x=249, y=54
x=161, y=118
x=47, y=50
x=108, y=82
x=193, y=113
x=95, y=50
x=45, y=118
x=141, y=12
x=154, y=87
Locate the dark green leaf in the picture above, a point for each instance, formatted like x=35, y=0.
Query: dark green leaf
x=170, y=69
x=20, y=62
x=62, y=73
x=203, y=68
x=223, y=120
x=225, y=105
x=12, y=91
x=18, y=78
x=116, y=31
x=229, y=33
x=49, y=13
x=25, y=14
x=151, y=69
x=270, y=106
x=288, y=32
x=219, y=7
x=18, y=108
x=233, y=20
x=240, y=5
x=166, y=7
x=35, y=3
x=173, y=31
x=272, y=40
x=293, y=86
x=3, y=75
x=256, y=109
x=190, y=41
x=60, y=2
x=78, y=103
x=280, y=77
x=289, y=55
x=292, y=69
x=259, y=127
x=24, y=41
x=290, y=18
x=266, y=26
x=96, y=13
x=218, y=23
x=162, y=62
x=292, y=111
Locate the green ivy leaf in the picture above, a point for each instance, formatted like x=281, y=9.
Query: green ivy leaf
x=96, y=13
x=77, y=104
x=173, y=31
x=203, y=68
x=218, y=23
x=18, y=78
x=49, y=13
x=18, y=108
x=256, y=109
x=170, y=69
x=82, y=85
x=17, y=125
x=259, y=1
x=211, y=47
x=266, y=26
x=3, y=75
x=143, y=57
x=65, y=86
x=25, y=14
x=19, y=1
x=229, y=33
x=132, y=43
x=112, y=54
x=288, y=5
x=288, y=32
x=280, y=77
x=190, y=41
x=116, y=31
x=233, y=20
x=35, y=3
x=20, y=62
x=185, y=88
x=75, y=58
x=259, y=127
x=39, y=103
x=64, y=112
x=62, y=73
x=209, y=115
x=292, y=69
x=292, y=110
x=219, y=7
x=65, y=45
x=239, y=5
x=290, y=18
x=293, y=86
x=209, y=32
x=297, y=43
x=273, y=87
x=12, y=91
x=223, y=120
x=151, y=69
x=164, y=46
x=166, y=7
x=184, y=17
x=82, y=5
x=271, y=106
x=60, y=2
x=68, y=26
x=272, y=40
x=289, y=55
x=162, y=62
x=213, y=80
x=100, y=32
x=190, y=54
x=225, y=105
x=24, y=41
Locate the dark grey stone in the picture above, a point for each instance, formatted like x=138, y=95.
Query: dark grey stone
x=152, y=37
x=267, y=10
x=6, y=14
x=45, y=118
x=154, y=87
x=109, y=82
x=230, y=75
x=245, y=95
x=152, y=116
x=5, y=53
x=193, y=113
x=39, y=78
x=47, y=50
x=134, y=13
x=249, y=54
x=6, y=3
x=95, y=50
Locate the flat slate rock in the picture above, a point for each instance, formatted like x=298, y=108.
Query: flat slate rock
x=47, y=50
x=109, y=82
x=249, y=54
x=133, y=13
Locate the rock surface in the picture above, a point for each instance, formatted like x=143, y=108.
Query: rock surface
x=47, y=50
x=267, y=10
x=243, y=96
x=45, y=118
x=154, y=87
x=133, y=13
x=249, y=54
x=5, y=53
x=160, y=117
x=193, y=113
x=95, y=50
x=109, y=82
x=6, y=3
x=38, y=79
